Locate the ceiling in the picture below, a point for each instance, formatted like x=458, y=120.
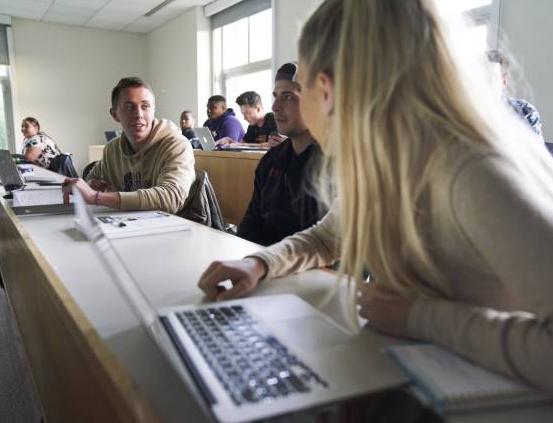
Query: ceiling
x=121, y=15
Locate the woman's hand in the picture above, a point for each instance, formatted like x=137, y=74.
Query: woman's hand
x=385, y=311
x=244, y=275
x=89, y=195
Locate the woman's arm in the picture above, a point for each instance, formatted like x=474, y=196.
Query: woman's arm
x=507, y=219
x=314, y=247
x=31, y=154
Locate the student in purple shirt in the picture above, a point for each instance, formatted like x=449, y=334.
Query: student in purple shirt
x=222, y=121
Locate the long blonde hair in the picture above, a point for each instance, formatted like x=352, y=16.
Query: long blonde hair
x=401, y=97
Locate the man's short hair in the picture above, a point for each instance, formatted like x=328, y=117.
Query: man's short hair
x=217, y=99
x=188, y=112
x=249, y=98
x=124, y=83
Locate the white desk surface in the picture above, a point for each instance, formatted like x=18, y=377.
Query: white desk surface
x=167, y=267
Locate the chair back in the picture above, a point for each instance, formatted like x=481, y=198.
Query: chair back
x=63, y=164
x=88, y=168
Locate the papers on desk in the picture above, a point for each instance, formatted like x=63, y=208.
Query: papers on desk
x=38, y=196
x=452, y=383
x=138, y=224
x=33, y=173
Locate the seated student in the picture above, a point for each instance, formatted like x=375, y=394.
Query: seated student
x=282, y=201
x=38, y=148
x=433, y=192
x=187, y=122
x=222, y=121
x=149, y=167
x=521, y=107
x=262, y=128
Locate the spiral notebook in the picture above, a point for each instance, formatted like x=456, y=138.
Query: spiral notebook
x=453, y=384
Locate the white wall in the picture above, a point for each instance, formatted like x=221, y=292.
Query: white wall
x=529, y=31
x=288, y=19
x=64, y=77
x=178, y=65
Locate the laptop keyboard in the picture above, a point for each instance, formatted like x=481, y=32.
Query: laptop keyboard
x=251, y=364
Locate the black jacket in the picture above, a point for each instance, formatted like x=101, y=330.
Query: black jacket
x=283, y=202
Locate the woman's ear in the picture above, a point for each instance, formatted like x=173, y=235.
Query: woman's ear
x=325, y=86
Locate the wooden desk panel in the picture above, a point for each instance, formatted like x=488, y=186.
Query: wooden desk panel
x=232, y=175
x=77, y=378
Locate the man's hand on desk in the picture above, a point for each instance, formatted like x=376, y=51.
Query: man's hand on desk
x=98, y=185
x=89, y=195
x=244, y=275
x=274, y=140
x=224, y=141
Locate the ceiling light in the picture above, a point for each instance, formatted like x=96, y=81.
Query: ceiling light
x=158, y=8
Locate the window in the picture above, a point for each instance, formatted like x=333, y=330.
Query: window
x=479, y=14
x=7, y=139
x=242, y=52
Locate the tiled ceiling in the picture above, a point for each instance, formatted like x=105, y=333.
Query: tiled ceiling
x=121, y=15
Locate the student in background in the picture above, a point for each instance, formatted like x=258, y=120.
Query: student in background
x=38, y=148
x=222, y=121
x=435, y=191
x=262, y=128
x=149, y=167
x=521, y=107
x=187, y=123
x=283, y=199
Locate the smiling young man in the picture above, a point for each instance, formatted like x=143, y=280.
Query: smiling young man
x=283, y=202
x=149, y=167
x=222, y=121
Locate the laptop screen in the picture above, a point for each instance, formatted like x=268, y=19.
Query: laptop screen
x=117, y=269
x=9, y=175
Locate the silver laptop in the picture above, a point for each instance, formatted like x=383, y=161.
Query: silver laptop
x=239, y=146
x=9, y=174
x=252, y=358
x=205, y=137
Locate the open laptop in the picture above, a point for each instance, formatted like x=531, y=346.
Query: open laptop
x=205, y=137
x=12, y=177
x=251, y=358
x=243, y=146
x=9, y=174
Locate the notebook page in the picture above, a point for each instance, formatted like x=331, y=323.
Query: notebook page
x=450, y=377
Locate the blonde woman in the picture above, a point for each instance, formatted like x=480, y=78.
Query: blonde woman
x=449, y=210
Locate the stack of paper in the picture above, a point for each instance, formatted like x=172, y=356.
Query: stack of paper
x=38, y=196
x=138, y=224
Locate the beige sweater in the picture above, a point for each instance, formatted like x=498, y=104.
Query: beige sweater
x=158, y=177
x=492, y=232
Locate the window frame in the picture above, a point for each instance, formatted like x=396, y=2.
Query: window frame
x=220, y=75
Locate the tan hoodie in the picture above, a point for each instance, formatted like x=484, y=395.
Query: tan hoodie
x=158, y=177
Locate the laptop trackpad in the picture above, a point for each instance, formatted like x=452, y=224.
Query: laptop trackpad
x=309, y=333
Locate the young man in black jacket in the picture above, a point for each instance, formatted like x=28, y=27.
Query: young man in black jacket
x=283, y=200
